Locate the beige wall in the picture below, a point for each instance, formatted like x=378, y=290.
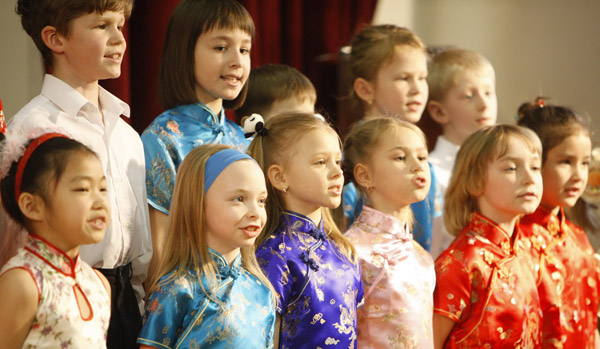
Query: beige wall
x=21, y=68
x=550, y=47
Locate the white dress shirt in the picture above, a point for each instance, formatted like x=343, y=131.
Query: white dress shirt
x=121, y=152
x=442, y=159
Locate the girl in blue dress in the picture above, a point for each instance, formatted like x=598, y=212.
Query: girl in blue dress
x=211, y=291
x=204, y=69
x=310, y=264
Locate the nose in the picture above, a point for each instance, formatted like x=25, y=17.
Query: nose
x=236, y=58
x=483, y=102
x=100, y=201
x=336, y=170
x=529, y=176
x=580, y=173
x=117, y=37
x=416, y=86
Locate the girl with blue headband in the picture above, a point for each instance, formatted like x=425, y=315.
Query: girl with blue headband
x=210, y=290
x=312, y=266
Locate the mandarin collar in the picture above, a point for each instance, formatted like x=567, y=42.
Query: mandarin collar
x=52, y=255
x=551, y=222
x=224, y=269
x=380, y=222
x=301, y=223
x=491, y=231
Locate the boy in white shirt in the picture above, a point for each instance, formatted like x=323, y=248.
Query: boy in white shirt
x=462, y=99
x=82, y=41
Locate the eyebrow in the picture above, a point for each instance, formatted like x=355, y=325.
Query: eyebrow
x=85, y=178
x=227, y=38
x=401, y=147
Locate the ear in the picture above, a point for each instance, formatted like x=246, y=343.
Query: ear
x=362, y=176
x=277, y=177
x=32, y=206
x=364, y=90
x=437, y=112
x=53, y=39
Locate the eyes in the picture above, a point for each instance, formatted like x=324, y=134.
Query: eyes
x=585, y=163
x=261, y=200
x=323, y=161
x=420, y=157
x=223, y=48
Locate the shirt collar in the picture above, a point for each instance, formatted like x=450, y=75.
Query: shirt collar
x=71, y=102
x=299, y=222
x=551, y=222
x=384, y=223
x=223, y=268
x=485, y=228
x=52, y=255
x=446, y=148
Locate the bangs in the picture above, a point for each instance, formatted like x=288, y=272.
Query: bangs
x=230, y=17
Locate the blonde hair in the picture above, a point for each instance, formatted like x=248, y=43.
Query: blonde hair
x=284, y=131
x=446, y=66
x=374, y=46
x=469, y=174
x=185, y=243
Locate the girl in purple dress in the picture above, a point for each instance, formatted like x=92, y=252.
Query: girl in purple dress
x=312, y=267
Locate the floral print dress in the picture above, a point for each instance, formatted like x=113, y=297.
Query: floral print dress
x=58, y=322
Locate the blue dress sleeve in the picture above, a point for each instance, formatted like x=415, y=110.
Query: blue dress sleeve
x=273, y=260
x=160, y=167
x=165, y=313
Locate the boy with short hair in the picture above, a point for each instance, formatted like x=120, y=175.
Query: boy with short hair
x=462, y=99
x=275, y=88
x=82, y=41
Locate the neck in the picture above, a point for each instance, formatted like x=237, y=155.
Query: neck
x=56, y=240
x=554, y=210
x=315, y=215
x=454, y=139
x=402, y=213
x=231, y=255
x=88, y=88
x=506, y=223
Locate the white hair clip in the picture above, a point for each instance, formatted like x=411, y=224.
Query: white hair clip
x=320, y=117
x=254, y=124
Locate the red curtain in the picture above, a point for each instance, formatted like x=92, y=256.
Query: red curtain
x=306, y=34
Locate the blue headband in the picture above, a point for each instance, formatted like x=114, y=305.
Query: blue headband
x=218, y=162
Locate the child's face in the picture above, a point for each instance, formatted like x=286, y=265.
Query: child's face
x=514, y=183
x=313, y=174
x=235, y=208
x=565, y=171
x=400, y=86
x=398, y=171
x=78, y=210
x=469, y=105
x=294, y=104
x=221, y=65
x=94, y=49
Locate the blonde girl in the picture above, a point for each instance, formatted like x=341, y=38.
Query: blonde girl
x=568, y=273
x=312, y=267
x=486, y=293
x=203, y=71
x=211, y=291
x=54, y=188
x=389, y=73
x=388, y=160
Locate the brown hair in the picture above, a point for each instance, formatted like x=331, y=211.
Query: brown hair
x=37, y=14
x=469, y=174
x=446, y=66
x=284, y=131
x=374, y=46
x=192, y=18
x=185, y=243
x=270, y=83
x=551, y=123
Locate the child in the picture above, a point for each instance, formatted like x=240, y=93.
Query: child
x=56, y=190
x=486, y=294
x=389, y=70
x=569, y=276
x=276, y=88
x=586, y=212
x=462, y=99
x=83, y=42
x=204, y=68
x=388, y=159
x=312, y=267
x=211, y=291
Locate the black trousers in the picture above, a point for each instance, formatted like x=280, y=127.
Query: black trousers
x=125, y=319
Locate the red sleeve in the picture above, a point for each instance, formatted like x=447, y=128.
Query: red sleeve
x=453, y=287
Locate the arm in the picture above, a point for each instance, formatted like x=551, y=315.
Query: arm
x=442, y=326
x=18, y=306
x=158, y=226
x=597, y=340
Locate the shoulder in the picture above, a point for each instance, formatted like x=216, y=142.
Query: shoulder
x=30, y=115
x=19, y=285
